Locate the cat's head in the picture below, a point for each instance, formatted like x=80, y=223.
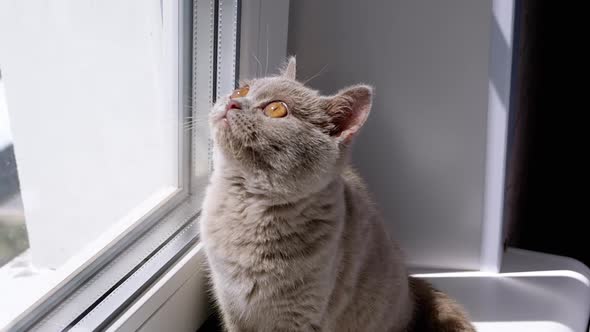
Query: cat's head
x=285, y=137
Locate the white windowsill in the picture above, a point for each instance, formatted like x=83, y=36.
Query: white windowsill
x=27, y=285
x=533, y=292
x=176, y=302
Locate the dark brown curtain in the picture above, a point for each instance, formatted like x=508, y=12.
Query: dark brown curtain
x=547, y=196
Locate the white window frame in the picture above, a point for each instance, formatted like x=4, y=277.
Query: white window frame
x=133, y=266
x=179, y=301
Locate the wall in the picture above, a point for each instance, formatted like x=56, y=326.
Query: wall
x=424, y=148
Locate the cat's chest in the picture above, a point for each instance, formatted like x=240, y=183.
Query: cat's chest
x=242, y=228
x=241, y=223
x=247, y=227
x=245, y=233
x=239, y=211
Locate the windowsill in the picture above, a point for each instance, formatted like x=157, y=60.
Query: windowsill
x=23, y=285
x=27, y=285
x=533, y=292
x=177, y=301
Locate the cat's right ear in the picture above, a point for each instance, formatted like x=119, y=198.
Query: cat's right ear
x=289, y=70
x=349, y=110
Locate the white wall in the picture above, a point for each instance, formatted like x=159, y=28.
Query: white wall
x=263, y=37
x=91, y=90
x=423, y=150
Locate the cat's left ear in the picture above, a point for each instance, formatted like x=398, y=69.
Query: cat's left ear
x=349, y=110
x=289, y=70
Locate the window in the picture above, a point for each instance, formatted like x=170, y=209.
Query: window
x=13, y=232
x=104, y=105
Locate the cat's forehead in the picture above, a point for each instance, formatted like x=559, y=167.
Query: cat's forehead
x=272, y=87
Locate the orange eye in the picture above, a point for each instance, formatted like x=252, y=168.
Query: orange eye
x=276, y=109
x=241, y=92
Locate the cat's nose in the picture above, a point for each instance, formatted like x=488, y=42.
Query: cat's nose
x=233, y=105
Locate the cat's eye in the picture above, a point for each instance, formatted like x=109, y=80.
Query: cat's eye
x=276, y=109
x=240, y=92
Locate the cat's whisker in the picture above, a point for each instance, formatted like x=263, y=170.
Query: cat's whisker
x=266, y=67
x=259, y=65
x=195, y=120
x=196, y=117
x=317, y=74
x=191, y=125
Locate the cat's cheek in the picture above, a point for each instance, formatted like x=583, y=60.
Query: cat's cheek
x=214, y=120
x=218, y=111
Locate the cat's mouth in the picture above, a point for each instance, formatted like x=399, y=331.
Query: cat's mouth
x=220, y=119
x=224, y=121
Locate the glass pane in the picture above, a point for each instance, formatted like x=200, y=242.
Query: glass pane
x=91, y=92
x=13, y=231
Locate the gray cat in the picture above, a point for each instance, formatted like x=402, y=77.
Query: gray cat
x=292, y=238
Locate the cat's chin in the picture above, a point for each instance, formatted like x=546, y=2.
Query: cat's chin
x=221, y=124
x=218, y=124
x=218, y=119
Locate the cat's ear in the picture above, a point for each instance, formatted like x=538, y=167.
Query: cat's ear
x=290, y=69
x=349, y=110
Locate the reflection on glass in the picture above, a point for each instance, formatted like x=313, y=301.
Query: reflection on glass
x=96, y=134
x=13, y=232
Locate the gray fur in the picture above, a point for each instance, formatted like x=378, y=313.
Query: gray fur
x=293, y=241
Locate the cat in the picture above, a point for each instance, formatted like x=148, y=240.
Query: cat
x=292, y=239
